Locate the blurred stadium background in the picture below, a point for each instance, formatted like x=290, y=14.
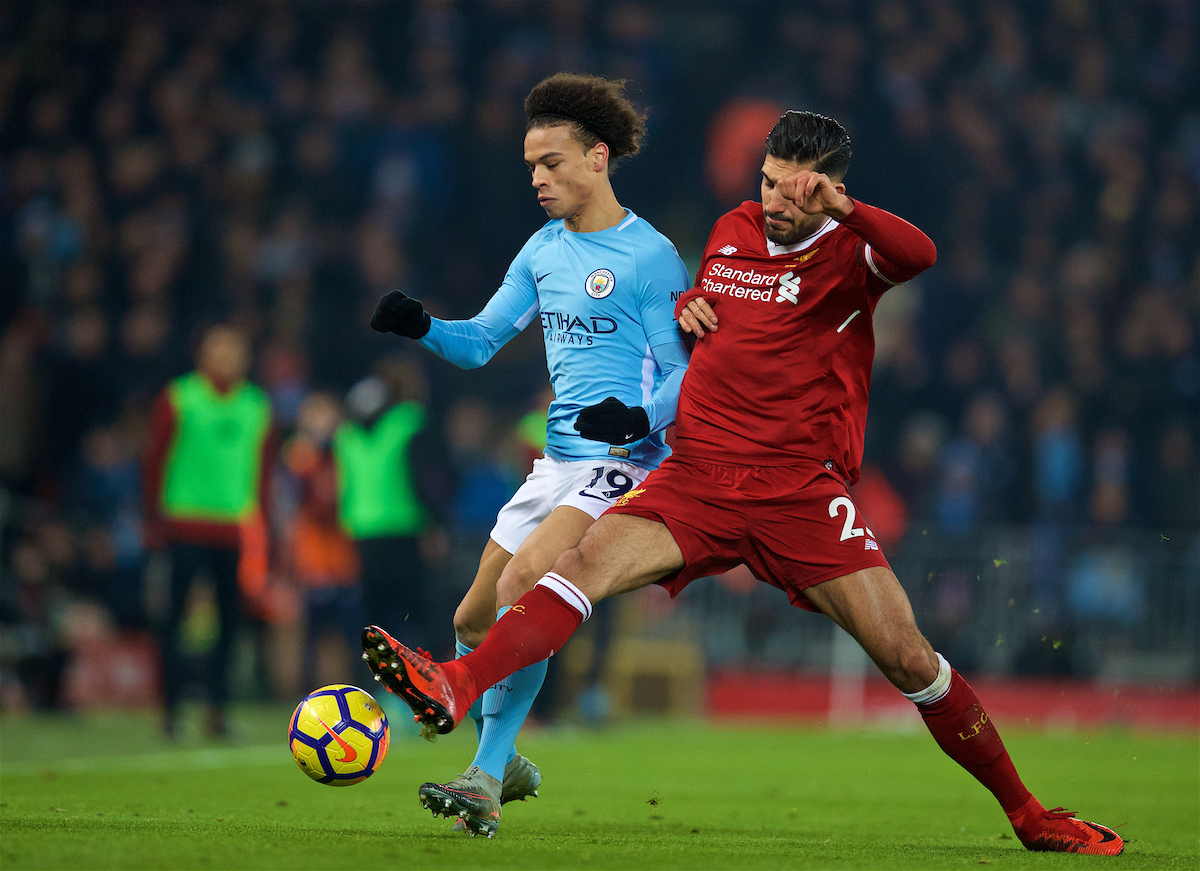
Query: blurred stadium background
x=1033, y=453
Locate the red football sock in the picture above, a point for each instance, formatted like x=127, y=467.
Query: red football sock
x=966, y=734
x=537, y=626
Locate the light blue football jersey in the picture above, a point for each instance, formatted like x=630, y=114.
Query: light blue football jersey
x=606, y=305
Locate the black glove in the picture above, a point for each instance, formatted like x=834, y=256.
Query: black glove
x=614, y=422
x=400, y=314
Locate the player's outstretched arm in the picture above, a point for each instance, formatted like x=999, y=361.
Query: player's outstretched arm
x=400, y=314
x=471, y=343
x=467, y=344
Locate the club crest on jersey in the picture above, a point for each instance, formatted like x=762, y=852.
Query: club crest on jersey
x=600, y=284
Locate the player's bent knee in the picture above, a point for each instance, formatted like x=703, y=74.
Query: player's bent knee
x=570, y=564
x=513, y=585
x=910, y=666
x=471, y=627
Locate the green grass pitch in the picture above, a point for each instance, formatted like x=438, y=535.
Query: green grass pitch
x=105, y=791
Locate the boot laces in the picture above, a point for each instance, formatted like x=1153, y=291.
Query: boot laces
x=1060, y=813
x=423, y=663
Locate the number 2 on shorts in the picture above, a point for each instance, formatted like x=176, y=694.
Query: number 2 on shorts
x=849, y=530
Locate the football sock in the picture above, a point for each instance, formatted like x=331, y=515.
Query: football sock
x=476, y=711
x=538, y=625
x=956, y=719
x=505, y=707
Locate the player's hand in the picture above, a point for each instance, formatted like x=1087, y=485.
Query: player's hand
x=400, y=314
x=614, y=422
x=815, y=194
x=697, y=316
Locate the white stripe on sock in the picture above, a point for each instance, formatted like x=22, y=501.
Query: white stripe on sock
x=568, y=592
x=937, y=690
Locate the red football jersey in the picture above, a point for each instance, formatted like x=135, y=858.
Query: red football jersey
x=785, y=377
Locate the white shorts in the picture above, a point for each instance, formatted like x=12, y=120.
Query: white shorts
x=589, y=485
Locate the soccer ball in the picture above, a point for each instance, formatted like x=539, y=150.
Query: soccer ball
x=338, y=735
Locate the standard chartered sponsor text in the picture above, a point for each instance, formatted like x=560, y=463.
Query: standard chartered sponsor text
x=746, y=276
x=739, y=283
x=736, y=290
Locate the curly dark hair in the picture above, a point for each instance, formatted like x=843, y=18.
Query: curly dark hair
x=595, y=107
x=806, y=137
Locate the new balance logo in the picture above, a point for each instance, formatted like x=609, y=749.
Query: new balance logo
x=727, y=250
x=870, y=545
x=789, y=288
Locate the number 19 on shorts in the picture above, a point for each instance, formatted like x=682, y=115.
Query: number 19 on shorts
x=607, y=484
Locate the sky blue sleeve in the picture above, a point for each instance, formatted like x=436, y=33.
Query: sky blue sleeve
x=672, y=360
x=471, y=343
x=664, y=276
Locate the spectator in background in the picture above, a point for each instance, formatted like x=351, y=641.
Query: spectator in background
x=1111, y=461
x=1058, y=478
x=481, y=460
x=915, y=474
x=324, y=559
x=733, y=147
x=1058, y=459
x=1177, y=473
x=530, y=431
x=379, y=501
x=977, y=469
x=83, y=383
x=106, y=496
x=32, y=615
x=206, y=474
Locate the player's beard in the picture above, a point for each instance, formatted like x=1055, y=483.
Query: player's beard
x=796, y=232
x=787, y=237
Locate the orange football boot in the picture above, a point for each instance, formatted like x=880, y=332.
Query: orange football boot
x=1058, y=831
x=418, y=680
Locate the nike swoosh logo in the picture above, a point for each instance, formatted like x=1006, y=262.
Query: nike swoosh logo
x=1105, y=835
x=538, y=279
x=350, y=754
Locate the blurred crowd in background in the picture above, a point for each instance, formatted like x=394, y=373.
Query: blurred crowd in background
x=279, y=166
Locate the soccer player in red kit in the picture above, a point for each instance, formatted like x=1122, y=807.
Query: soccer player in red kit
x=769, y=435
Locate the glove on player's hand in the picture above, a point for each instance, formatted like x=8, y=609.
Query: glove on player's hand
x=614, y=422
x=400, y=314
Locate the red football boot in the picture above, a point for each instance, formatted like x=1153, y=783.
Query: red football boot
x=423, y=684
x=1058, y=831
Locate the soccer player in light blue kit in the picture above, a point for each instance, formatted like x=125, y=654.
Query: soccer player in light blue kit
x=602, y=283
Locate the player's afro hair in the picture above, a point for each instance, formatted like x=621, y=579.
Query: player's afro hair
x=595, y=107
x=806, y=137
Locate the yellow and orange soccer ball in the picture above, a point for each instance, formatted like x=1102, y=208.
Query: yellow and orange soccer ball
x=338, y=735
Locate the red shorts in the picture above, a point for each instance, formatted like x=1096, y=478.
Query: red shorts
x=793, y=526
